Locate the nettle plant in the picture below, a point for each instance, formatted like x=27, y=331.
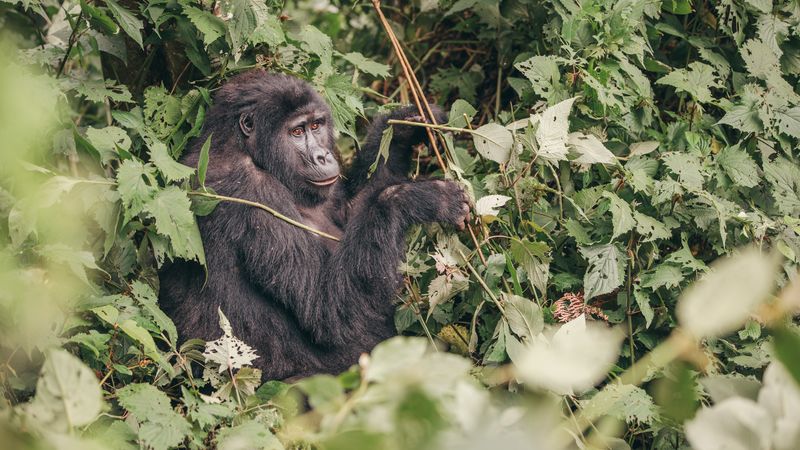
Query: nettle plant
x=614, y=150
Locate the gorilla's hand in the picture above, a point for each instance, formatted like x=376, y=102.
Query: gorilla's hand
x=428, y=201
x=409, y=135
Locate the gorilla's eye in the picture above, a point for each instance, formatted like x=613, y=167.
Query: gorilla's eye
x=314, y=125
x=297, y=131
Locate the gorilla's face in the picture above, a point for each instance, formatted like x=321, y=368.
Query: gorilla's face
x=308, y=138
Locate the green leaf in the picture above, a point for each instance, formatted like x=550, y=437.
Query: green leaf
x=533, y=258
x=664, y=275
x=589, y=149
x=786, y=344
x=364, y=64
x=687, y=167
x=268, y=31
x=136, y=185
x=621, y=212
x=68, y=394
x=210, y=25
x=202, y=163
x=552, y=132
x=108, y=141
x=784, y=176
x=169, y=168
x=458, y=110
x=524, y=317
x=250, y=434
x=228, y=352
x=132, y=26
x=99, y=18
x=171, y=210
x=544, y=75
x=149, y=300
x=739, y=166
x=493, y=142
x=622, y=401
x=383, y=149
x=160, y=427
x=696, y=81
x=204, y=414
x=643, y=301
x=605, y=271
x=788, y=121
x=650, y=228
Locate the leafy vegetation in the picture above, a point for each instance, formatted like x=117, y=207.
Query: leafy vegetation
x=614, y=150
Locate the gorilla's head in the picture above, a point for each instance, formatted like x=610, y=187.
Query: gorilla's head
x=286, y=128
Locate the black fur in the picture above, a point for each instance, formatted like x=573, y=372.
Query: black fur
x=307, y=304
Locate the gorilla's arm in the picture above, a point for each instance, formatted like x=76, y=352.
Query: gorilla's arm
x=397, y=166
x=338, y=296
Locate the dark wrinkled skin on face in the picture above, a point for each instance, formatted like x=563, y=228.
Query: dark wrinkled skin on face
x=307, y=304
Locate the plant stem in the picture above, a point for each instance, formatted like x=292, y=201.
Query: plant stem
x=267, y=209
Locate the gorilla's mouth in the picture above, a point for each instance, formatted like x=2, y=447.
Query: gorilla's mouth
x=325, y=182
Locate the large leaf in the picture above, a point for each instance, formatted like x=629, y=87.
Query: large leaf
x=160, y=427
x=67, y=394
x=552, y=133
x=132, y=26
x=493, y=141
x=171, y=210
x=606, y=269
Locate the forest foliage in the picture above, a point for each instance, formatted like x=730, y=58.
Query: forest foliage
x=617, y=152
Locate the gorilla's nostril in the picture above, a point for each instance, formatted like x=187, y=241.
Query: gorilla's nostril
x=321, y=159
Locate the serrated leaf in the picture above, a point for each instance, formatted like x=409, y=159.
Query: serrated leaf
x=132, y=26
x=788, y=121
x=524, y=317
x=445, y=287
x=739, y=166
x=108, y=140
x=622, y=401
x=687, y=167
x=367, y=65
x=249, y=434
x=171, y=210
x=605, y=271
x=145, y=295
x=695, y=80
x=268, y=31
x=621, y=213
x=544, y=75
x=490, y=205
x=589, y=149
x=211, y=26
x=160, y=427
x=650, y=228
x=228, y=352
x=171, y=170
x=552, y=133
x=136, y=185
x=664, y=275
x=493, y=141
x=784, y=176
x=68, y=394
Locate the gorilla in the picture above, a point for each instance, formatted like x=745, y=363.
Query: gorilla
x=306, y=303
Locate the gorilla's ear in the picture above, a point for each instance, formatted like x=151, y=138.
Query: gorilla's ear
x=246, y=123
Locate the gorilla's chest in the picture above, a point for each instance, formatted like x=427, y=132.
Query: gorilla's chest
x=319, y=219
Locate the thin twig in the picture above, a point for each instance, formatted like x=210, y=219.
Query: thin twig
x=267, y=209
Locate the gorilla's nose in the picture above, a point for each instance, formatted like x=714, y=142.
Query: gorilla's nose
x=322, y=159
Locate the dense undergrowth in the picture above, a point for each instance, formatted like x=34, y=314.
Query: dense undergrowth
x=614, y=150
